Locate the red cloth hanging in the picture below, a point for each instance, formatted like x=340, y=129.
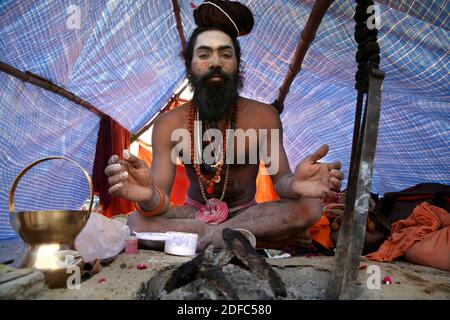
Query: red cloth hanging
x=112, y=139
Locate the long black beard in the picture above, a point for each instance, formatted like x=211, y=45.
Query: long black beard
x=215, y=100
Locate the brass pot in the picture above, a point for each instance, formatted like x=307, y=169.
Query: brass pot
x=49, y=235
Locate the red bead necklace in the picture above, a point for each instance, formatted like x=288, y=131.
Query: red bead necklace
x=216, y=177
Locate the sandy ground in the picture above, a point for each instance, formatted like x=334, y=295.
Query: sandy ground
x=305, y=277
x=120, y=282
x=308, y=278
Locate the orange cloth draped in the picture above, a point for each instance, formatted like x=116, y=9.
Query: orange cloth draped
x=265, y=191
x=181, y=184
x=321, y=231
x=424, y=220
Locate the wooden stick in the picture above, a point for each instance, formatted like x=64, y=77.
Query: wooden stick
x=47, y=85
x=176, y=11
x=307, y=37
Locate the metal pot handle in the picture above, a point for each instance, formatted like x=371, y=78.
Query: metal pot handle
x=25, y=170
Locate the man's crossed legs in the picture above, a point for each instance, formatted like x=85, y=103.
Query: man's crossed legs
x=275, y=224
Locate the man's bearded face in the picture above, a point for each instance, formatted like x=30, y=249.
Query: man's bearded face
x=214, y=76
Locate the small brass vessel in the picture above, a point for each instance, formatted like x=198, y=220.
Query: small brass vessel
x=50, y=235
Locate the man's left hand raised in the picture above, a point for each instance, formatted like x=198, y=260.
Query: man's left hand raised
x=313, y=179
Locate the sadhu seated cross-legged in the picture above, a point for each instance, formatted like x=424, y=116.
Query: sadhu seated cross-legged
x=221, y=137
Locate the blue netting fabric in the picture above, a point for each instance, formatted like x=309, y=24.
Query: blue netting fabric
x=36, y=124
x=124, y=60
x=414, y=134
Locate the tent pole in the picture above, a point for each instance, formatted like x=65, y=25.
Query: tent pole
x=48, y=85
x=176, y=12
x=356, y=128
x=369, y=79
x=306, y=38
x=343, y=279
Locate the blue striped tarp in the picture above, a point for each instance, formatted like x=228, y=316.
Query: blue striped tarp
x=124, y=60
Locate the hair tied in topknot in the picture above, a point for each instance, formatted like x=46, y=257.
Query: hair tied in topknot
x=232, y=17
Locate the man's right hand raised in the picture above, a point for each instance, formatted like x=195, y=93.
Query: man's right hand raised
x=129, y=179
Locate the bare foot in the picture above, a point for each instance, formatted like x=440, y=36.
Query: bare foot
x=301, y=239
x=213, y=235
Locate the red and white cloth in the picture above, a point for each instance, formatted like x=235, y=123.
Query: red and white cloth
x=214, y=211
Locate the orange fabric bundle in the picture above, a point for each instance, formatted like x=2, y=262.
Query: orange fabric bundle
x=424, y=220
x=321, y=231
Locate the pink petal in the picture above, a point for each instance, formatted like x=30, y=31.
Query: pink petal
x=387, y=280
x=141, y=266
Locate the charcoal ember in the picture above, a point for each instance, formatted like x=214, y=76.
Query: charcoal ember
x=247, y=285
x=200, y=289
x=246, y=254
x=154, y=288
x=236, y=272
x=185, y=273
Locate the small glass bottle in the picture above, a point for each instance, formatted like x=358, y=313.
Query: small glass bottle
x=131, y=245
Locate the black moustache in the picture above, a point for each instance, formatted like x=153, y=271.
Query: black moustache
x=215, y=74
